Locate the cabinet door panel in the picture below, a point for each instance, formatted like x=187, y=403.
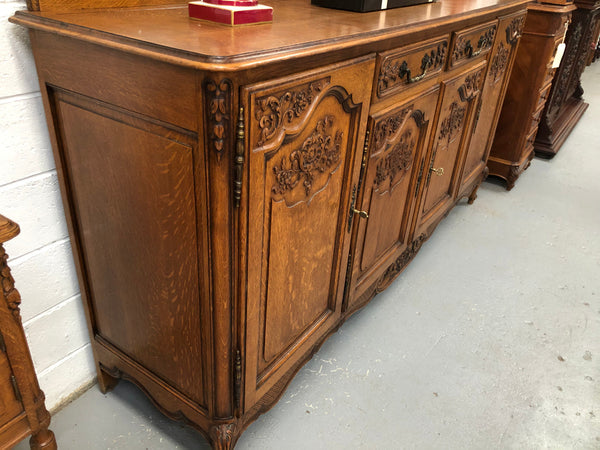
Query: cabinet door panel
x=304, y=132
x=442, y=169
x=398, y=138
x=131, y=182
x=486, y=116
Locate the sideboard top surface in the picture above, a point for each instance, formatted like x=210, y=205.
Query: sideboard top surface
x=298, y=29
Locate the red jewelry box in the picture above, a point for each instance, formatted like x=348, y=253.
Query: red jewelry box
x=231, y=12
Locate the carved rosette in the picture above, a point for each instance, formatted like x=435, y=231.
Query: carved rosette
x=514, y=30
x=452, y=124
x=386, y=129
x=393, y=72
x=218, y=102
x=399, y=159
x=499, y=63
x=319, y=153
x=222, y=436
x=275, y=111
x=12, y=296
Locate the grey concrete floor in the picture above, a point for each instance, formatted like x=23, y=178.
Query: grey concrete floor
x=489, y=339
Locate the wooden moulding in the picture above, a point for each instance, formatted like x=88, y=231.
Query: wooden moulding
x=8, y=229
x=73, y=5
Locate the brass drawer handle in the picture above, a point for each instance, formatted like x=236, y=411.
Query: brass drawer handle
x=439, y=172
x=362, y=214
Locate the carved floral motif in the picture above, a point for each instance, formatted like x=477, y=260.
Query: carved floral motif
x=452, y=123
x=319, y=152
x=499, y=63
x=12, y=296
x=273, y=112
x=399, y=159
x=218, y=100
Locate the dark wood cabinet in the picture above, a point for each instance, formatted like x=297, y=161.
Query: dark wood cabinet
x=235, y=194
x=565, y=104
x=529, y=85
x=22, y=409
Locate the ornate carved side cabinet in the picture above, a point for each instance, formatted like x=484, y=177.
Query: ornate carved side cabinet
x=234, y=194
x=529, y=86
x=22, y=409
x=565, y=104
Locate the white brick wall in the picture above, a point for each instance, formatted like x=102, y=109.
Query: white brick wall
x=40, y=257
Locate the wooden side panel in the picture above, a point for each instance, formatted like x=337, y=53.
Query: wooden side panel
x=487, y=113
x=399, y=137
x=131, y=184
x=10, y=406
x=304, y=133
x=442, y=171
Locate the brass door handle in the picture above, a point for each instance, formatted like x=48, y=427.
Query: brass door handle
x=362, y=214
x=439, y=172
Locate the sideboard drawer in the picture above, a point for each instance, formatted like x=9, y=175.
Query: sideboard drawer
x=402, y=68
x=472, y=42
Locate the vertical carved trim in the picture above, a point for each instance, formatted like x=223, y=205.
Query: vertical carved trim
x=239, y=159
x=218, y=103
x=222, y=436
x=238, y=379
x=12, y=296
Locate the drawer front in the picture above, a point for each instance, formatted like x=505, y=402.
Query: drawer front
x=472, y=43
x=402, y=68
x=543, y=95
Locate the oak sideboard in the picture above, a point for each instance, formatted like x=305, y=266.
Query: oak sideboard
x=234, y=194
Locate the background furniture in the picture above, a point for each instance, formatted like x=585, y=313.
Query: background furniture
x=233, y=195
x=530, y=83
x=22, y=409
x=565, y=104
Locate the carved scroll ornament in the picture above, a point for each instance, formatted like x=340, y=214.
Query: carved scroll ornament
x=320, y=152
x=470, y=88
x=12, y=296
x=275, y=111
x=514, y=30
x=387, y=128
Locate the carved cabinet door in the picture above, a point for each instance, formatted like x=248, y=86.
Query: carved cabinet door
x=305, y=135
x=487, y=112
x=441, y=166
x=398, y=138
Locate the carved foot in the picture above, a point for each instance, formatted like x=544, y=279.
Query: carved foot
x=43, y=440
x=223, y=437
x=512, y=176
x=106, y=382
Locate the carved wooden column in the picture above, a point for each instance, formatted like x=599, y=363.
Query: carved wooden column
x=565, y=104
x=22, y=409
